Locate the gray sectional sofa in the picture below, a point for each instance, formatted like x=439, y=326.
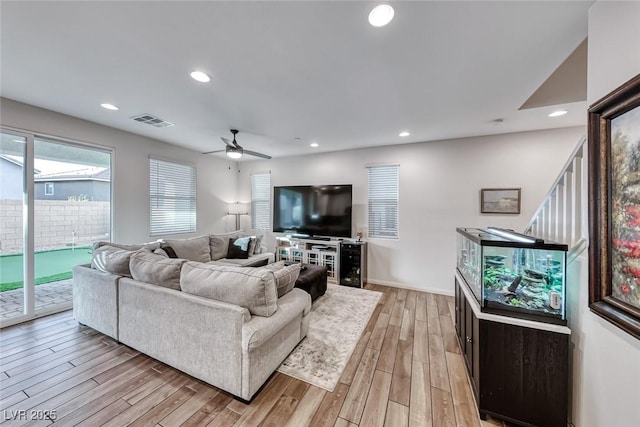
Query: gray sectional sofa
x=229, y=326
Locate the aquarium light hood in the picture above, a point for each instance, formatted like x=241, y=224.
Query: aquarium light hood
x=509, y=234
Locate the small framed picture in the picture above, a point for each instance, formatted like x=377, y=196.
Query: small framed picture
x=500, y=201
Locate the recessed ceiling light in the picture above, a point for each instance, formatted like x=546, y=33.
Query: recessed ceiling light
x=109, y=106
x=200, y=76
x=558, y=113
x=381, y=15
x=313, y=144
x=403, y=134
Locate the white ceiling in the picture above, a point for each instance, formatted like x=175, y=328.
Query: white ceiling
x=280, y=70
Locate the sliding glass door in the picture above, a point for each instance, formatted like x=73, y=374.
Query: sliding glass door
x=12, y=214
x=72, y=192
x=55, y=201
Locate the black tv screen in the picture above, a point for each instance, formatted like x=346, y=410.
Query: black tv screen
x=318, y=210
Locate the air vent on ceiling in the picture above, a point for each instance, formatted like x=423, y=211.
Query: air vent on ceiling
x=152, y=120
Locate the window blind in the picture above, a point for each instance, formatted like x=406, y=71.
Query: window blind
x=172, y=190
x=261, y=201
x=383, y=200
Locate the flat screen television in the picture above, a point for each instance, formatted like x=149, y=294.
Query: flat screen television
x=313, y=210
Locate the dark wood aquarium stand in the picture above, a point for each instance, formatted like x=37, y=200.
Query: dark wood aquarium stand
x=518, y=368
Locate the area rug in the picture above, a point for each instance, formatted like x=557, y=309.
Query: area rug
x=336, y=322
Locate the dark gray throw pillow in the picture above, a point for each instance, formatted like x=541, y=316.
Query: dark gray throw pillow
x=169, y=251
x=239, y=248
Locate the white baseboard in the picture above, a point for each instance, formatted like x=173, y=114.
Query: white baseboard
x=413, y=288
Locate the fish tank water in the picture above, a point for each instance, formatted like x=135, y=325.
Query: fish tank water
x=514, y=274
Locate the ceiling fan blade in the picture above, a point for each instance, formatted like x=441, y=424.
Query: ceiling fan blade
x=253, y=153
x=227, y=141
x=216, y=151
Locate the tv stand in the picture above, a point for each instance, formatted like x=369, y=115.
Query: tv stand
x=311, y=250
x=346, y=262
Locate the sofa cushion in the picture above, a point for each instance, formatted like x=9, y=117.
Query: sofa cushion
x=194, y=249
x=239, y=247
x=285, y=276
x=219, y=243
x=151, y=245
x=251, y=288
x=156, y=269
x=112, y=259
x=253, y=261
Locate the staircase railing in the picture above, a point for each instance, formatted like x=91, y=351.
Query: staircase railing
x=562, y=216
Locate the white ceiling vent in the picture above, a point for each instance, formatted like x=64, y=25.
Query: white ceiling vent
x=152, y=120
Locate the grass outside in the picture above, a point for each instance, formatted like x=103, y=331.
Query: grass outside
x=50, y=266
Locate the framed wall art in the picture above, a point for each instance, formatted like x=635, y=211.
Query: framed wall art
x=614, y=207
x=500, y=200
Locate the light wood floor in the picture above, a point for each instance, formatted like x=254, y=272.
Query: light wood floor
x=406, y=370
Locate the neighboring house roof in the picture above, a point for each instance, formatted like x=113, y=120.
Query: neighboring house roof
x=86, y=174
x=15, y=161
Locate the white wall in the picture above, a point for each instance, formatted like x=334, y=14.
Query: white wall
x=216, y=177
x=605, y=360
x=440, y=186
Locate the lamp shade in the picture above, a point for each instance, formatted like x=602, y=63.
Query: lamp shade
x=237, y=209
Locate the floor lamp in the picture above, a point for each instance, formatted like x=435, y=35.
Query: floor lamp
x=237, y=209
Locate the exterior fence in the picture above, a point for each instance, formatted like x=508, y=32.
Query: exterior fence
x=58, y=224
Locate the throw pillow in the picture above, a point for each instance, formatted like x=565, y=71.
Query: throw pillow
x=258, y=247
x=169, y=251
x=286, y=278
x=251, y=288
x=194, y=249
x=239, y=248
x=161, y=251
x=156, y=269
x=252, y=245
x=275, y=265
x=111, y=259
x=219, y=243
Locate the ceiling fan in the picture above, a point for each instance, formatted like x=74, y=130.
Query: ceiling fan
x=234, y=150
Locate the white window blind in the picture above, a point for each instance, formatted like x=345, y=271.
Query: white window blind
x=173, y=197
x=383, y=200
x=261, y=201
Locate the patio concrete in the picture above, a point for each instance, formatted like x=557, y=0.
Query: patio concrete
x=54, y=293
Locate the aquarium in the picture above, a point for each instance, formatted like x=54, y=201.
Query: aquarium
x=469, y=263
x=513, y=274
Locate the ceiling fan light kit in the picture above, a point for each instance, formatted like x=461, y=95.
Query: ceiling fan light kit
x=381, y=15
x=200, y=76
x=234, y=152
